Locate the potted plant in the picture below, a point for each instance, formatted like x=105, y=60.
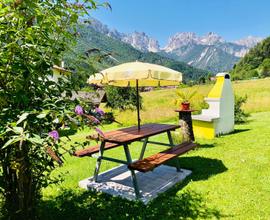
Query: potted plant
x=184, y=98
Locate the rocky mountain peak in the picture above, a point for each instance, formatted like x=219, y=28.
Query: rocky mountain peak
x=249, y=41
x=181, y=39
x=115, y=34
x=211, y=38
x=139, y=40
x=104, y=29
x=99, y=27
x=190, y=38
x=142, y=41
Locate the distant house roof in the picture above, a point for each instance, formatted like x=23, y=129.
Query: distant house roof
x=61, y=69
x=95, y=97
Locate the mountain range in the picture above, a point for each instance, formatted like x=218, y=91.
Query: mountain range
x=210, y=52
x=97, y=49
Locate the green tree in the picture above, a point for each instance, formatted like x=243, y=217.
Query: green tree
x=33, y=34
x=240, y=116
x=121, y=97
x=254, y=60
x=265, y=68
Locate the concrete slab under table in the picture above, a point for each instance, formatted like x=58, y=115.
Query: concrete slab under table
x=118, y=182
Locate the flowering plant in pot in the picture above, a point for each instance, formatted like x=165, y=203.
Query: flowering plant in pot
x=184, y=98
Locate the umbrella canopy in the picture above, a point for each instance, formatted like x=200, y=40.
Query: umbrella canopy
x=147, y=74
x=137, y=74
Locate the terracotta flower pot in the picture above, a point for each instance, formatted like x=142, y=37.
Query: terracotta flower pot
x=185, y=106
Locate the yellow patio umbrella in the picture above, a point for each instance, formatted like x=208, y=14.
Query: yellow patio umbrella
x=137, y=74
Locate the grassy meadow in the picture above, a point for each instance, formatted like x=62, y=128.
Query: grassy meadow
x=159, y=105
x=230, y=180
x=230, y=176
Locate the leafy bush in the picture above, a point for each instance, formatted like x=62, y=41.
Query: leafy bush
x=122, y=97
x=239, y=115
x=33, y=107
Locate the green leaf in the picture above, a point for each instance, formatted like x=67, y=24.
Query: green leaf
x=11, y=141
x=42, y=115
x=36, y=139
x=18, y=130
x=56, y=121
x=22, y=117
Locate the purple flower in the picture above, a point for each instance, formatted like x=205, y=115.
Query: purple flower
x=96, y=121
x=79, y=110
x=100, y=132
x=54, y=134
x=99, y=111
x=92, y=119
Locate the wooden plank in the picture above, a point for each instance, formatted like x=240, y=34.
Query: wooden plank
x=117, y=137
x=134, y=129
x=124, y=135
x=129, y=129
x=95, y=149
x=155, y=160
x=134, y=135
x=92, y=150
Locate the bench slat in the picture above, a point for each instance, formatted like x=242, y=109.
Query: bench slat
x=94, y=149
x=155, y=160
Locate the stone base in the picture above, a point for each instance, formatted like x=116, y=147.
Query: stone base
x=118, y=182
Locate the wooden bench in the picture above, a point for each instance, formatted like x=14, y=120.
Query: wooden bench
x=94, y=149
x=149, y=163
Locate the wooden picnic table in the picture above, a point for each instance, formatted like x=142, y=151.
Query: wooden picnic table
x=131, y=134
x=124, y=137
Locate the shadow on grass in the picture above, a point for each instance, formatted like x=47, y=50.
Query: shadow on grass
x=206, y=146
x=72, y=204
x=202, y=168
x=236, y=131
x=173, y=204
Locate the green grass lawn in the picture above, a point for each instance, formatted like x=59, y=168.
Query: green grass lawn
x=159, y=105
x=230, y=180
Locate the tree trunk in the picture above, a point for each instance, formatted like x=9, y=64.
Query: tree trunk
x=186, y=125
x=18, y=188
x=10, y=189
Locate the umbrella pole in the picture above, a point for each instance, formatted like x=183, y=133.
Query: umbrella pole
x=138, y=104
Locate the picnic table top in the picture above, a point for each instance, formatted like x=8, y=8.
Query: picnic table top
x=130, y=134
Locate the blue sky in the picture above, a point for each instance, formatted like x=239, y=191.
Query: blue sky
x=232, y=19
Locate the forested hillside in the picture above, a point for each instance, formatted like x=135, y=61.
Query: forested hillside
x=256, y=63
x=120, y=52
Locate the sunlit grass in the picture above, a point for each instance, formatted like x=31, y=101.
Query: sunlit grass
x=230, y=173
x=230, y=180
x=258, y=93
x=159, y=105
